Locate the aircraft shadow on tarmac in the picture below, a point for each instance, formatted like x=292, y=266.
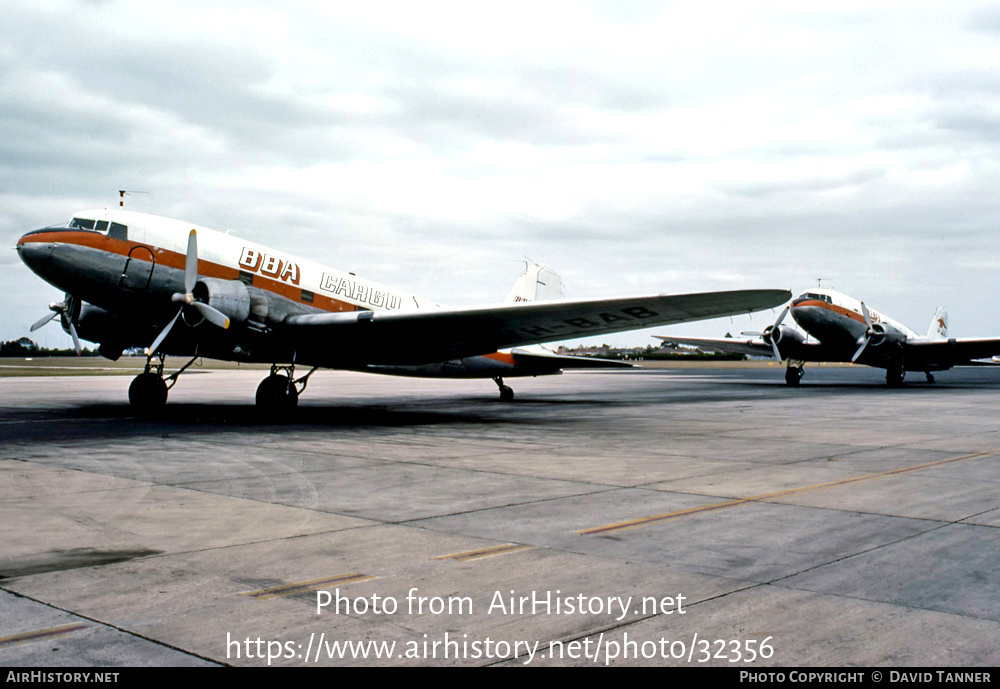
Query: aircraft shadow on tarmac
x=101, y=421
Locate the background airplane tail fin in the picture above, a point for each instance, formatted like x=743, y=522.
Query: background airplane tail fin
x=538, y=283
x=939, y=325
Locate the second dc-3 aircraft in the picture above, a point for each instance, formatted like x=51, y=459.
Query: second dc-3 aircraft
x=846, y=330
x=138, y=280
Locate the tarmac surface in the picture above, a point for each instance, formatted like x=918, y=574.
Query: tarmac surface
x=706, y=517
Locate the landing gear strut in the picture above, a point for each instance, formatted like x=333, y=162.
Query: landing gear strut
x=148, y=391
x=506, y=394
x=793, y=374
x=894, y=375
x=280, y=390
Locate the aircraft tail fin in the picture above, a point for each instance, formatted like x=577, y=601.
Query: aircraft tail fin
x=939, y=325
x=538, y=283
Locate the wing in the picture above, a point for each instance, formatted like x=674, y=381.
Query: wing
x=791, y=349
x=425, y=336
x=950, y=352
x=750, y=346
x=561, y=361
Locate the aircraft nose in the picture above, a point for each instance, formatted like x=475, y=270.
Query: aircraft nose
x=34, y=252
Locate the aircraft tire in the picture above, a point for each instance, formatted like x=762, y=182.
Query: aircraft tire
x=793, y=376
x=275, y=394
x=894, y=376
x=506, y=394
x=147, y=392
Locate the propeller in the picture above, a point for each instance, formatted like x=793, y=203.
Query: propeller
x=869, y=331
x=771, y=334
x=209, y=313
x=66, y=310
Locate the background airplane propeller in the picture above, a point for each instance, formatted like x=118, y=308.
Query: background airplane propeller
x=869, y=331
x=67, y=310
x=211, y=314
x=771, y=334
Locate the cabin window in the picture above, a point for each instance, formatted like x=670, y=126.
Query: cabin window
x=82, y=223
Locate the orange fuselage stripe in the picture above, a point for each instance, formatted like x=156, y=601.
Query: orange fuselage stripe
x=840, y=310
x=173, y=259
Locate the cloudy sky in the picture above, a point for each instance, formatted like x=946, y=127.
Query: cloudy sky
x=636, y=147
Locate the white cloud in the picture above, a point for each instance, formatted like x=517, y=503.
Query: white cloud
x=637, y=147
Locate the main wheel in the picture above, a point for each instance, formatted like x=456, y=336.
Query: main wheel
x=894, y=376
x=793, y=374
x=276, y=393
x=147, y=392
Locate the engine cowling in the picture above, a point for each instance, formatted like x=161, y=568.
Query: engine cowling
x=782, y=339
x=231, y=297
x=783, y=335
x=883, y=333
x=241, y=302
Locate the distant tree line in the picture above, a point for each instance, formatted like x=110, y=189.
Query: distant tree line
x=650, y=353
x=26, y=347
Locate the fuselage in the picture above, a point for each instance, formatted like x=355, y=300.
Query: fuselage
x=129, y=265
x=836, y=319
x=106, y=257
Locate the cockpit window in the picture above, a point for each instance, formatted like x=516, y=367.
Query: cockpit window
x=102, y=226
x=118, y=231
x=82, y=223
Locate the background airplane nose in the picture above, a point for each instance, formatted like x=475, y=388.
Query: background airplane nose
x=34, y=254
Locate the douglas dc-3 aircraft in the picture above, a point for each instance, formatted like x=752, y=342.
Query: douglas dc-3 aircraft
x=137, y=280
x=847, y=330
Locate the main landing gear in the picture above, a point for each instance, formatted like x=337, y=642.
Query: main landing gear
x=280, y=391
x=506, y=394
x=793, y=374
x=148, y=391
x=894, y=376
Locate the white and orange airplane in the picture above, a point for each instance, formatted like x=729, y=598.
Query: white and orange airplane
x=138, y=280
x=846, y=330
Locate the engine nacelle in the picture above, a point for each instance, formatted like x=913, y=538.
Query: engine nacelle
x=231, y=297
x=242, y=302
x=787, y=336
x=112, y=333
x=883, y=333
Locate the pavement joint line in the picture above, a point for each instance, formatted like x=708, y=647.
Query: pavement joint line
x=305, y=586
x=41, y=634
x=643, y=521
x=490, y=551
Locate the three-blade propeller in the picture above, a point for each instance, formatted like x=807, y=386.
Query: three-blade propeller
x=869, y=331
x=209, y=313
x=66, y=310
x=771, y=334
